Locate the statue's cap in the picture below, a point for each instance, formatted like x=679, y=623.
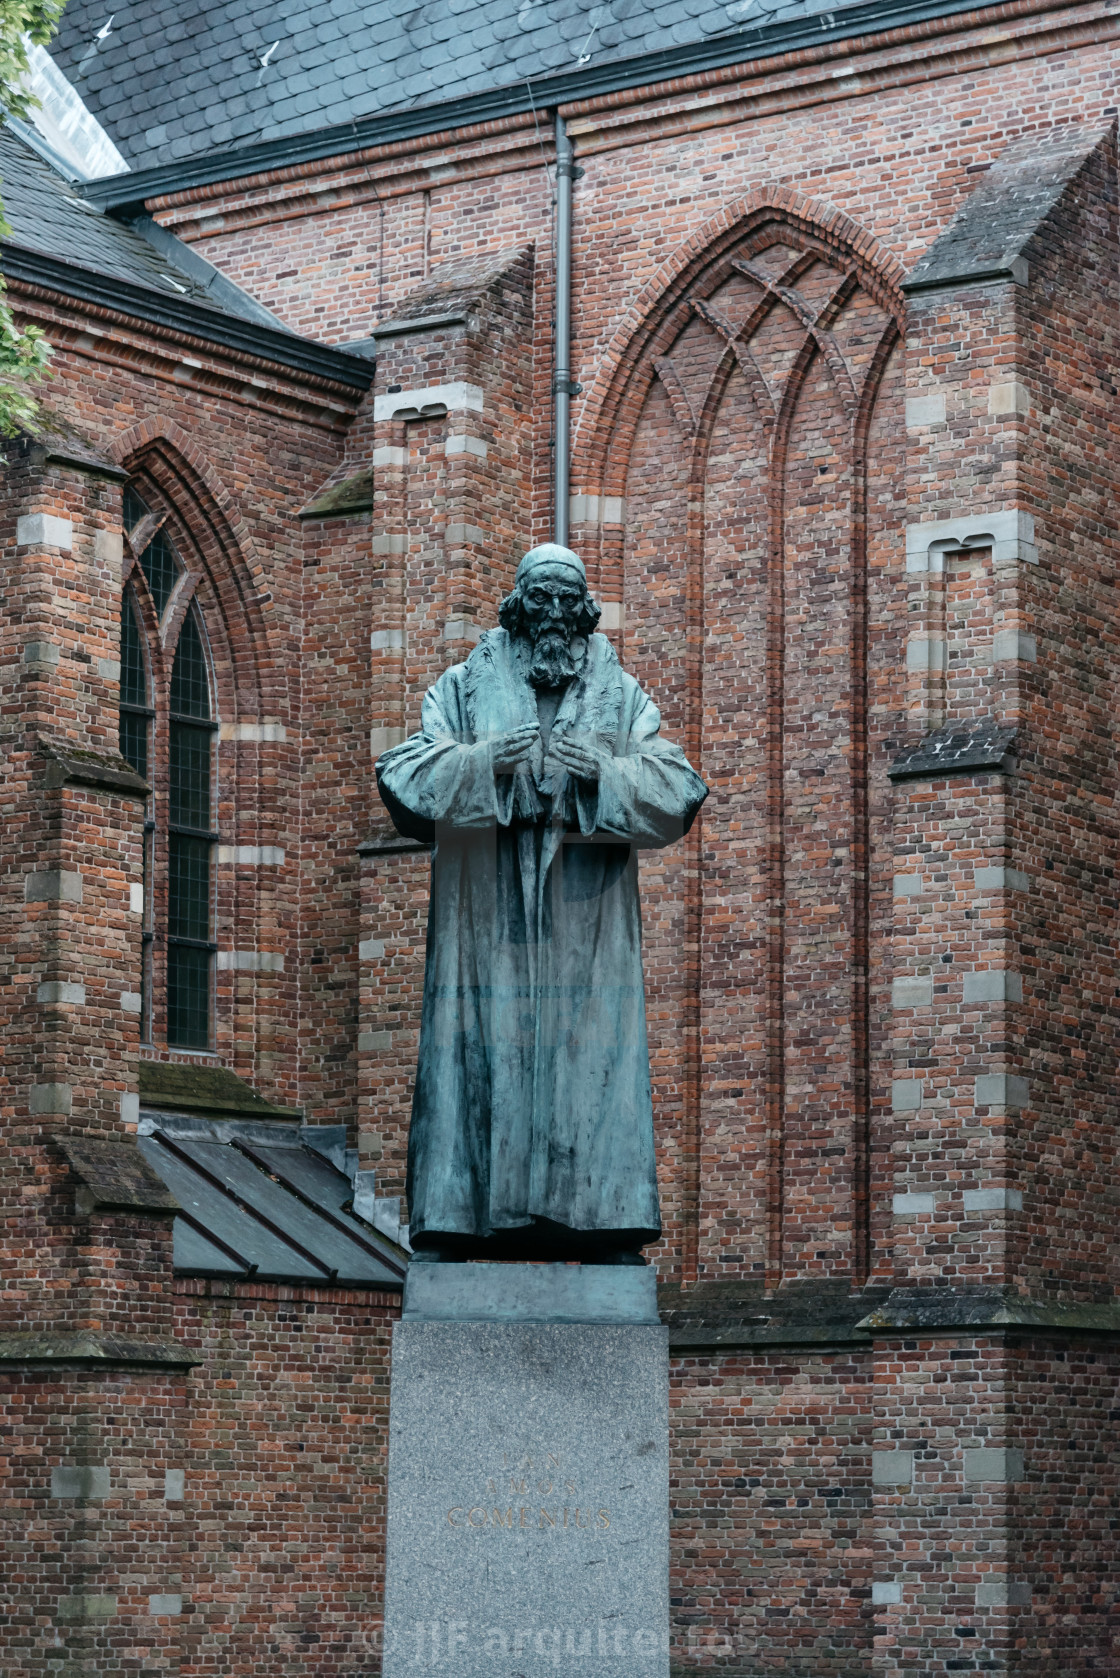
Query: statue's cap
x=550, y=553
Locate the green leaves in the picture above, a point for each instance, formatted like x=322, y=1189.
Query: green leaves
x=23, y=361
x=23, y=355
x=21, y=22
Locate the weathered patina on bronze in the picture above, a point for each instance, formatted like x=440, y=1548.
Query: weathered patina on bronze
x=539, y=774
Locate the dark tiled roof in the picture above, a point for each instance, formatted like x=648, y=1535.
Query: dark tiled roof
x=255, y=1200
x=62, y=241
x=48, y=216
x=173, y=81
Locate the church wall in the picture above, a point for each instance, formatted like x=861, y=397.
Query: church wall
x=235, y=479
x=1069, y=801
x=94, y=1552
x=771, y=1536
x=752, y=561
x=284, y=1505
x=1064, y=1514
x=336, y=801
x=91, y=1362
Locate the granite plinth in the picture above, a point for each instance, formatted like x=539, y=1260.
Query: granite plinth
x=528, y=1521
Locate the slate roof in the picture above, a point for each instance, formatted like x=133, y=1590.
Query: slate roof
x=254, y=1200
x=175, y=79
x=62, y=240
x=47, y=215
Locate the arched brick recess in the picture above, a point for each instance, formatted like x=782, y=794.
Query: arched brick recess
x=225, y=575
x=733, y=417
x=602, y=429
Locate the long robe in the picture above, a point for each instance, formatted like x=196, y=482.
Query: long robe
x=532, y=1097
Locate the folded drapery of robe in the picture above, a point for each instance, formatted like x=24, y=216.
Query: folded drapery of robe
x=532, y=1098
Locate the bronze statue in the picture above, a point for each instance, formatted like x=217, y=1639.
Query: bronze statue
x=539, y=774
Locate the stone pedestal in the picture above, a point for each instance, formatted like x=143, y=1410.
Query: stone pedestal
x=528, y=1527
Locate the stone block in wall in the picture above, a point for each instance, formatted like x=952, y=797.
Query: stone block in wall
x=892, y=1468
x=995, y=1464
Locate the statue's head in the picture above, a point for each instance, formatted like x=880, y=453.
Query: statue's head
x=550, y=607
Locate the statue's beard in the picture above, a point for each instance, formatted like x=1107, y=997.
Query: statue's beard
x=553, y=665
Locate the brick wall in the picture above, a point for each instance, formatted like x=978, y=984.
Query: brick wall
x=283, y=1512
x=881, y=1010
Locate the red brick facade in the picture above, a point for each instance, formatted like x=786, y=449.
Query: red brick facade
x=882, y=997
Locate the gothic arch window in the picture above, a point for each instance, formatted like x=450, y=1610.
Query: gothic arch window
x=167, y=730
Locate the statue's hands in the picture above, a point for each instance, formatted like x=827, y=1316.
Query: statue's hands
x=577, y=755
x=509, y=751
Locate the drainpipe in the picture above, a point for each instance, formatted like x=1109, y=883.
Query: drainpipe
x=562, y=387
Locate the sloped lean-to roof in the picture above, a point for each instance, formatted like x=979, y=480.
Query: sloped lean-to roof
x=198, y=92
x=255, y=1200
x=60, y=240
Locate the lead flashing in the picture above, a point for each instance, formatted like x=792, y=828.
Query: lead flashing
x=958, y=750
x=81, y=1348
x=949, y=1310
x=1016, y=270
x=422, y=323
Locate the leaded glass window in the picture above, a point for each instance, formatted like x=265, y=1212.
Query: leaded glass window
x=136, y=697
x=136, y=720
x=159, y=562
x=190, y=841
x=167, y=733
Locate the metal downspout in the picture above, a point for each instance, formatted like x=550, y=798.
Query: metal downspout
x=562, y=388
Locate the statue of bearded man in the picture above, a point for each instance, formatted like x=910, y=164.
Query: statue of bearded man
x=540, y=774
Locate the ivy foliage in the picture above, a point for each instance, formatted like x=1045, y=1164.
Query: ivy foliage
x=23, y=354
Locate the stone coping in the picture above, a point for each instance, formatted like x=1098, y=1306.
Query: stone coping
x=530, y=1293
x=91, y=1349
